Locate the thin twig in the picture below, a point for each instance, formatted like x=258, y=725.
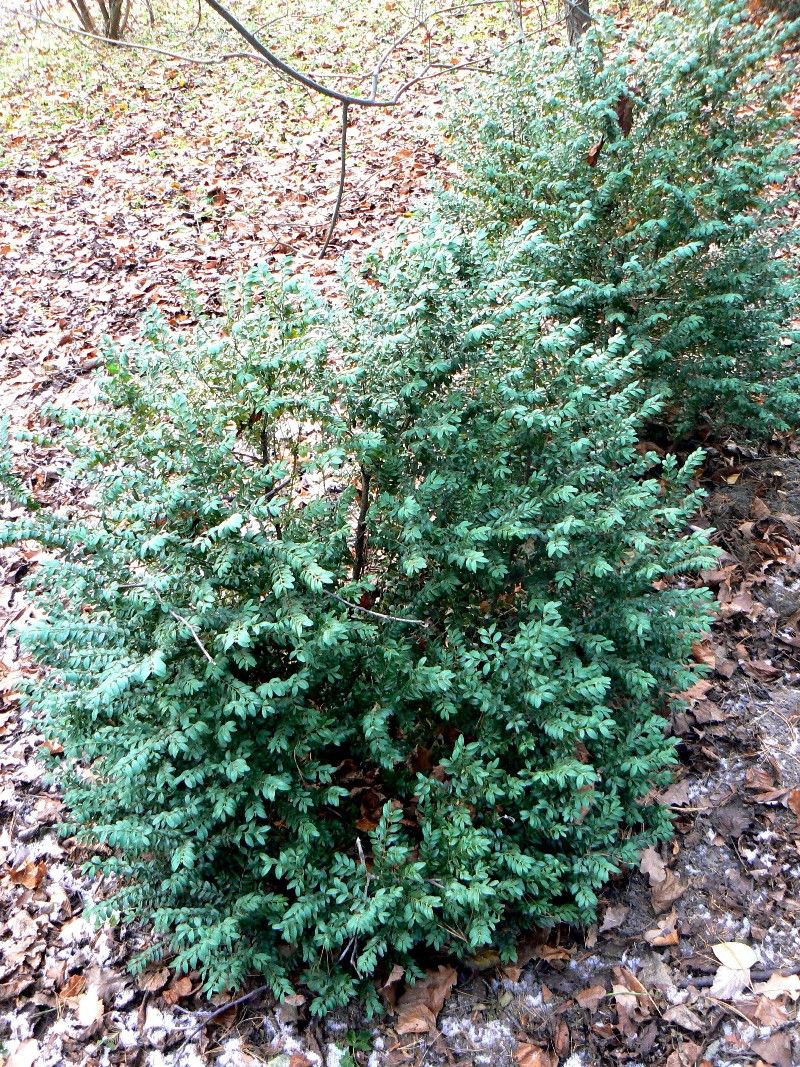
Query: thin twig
x=133, y=46
x=212, y=1015
x=193, y=632
x=758, y=974
x=342, y=179
x=175, y=615
x=375, y=614
x=418, y=25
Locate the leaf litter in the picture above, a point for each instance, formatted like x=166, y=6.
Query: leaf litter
x=695, y=960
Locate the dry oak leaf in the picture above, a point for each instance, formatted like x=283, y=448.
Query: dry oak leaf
x=73, y=987
x=389, y=987
x=552, y=952
x=30, y=875
x=775, y=1050
x=696, y=692
x=632, y=999
x=665, y=887
x=770, y=1012
x=591, y=997
x=779, y=985
x=703, y=652
x=614, y=916
x=665, y=934
x=153, y=981
x=179, y=989
x=532, y=1056
x=685, y=1018
x=420, y=1005
x=561, y=1040
x=686, y=1056
x=759, y=510
x=89, y=1008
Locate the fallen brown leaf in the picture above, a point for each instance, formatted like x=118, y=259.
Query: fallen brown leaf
x=664, y=934
x=703, y=652
x=89, y=1008
x=179, y=989
x=779, y=985
x=591, y=997
x=30, y=875
x=420, y=1005
x=775, y=1049
x=686, y=1055
x=533, y=1056
x=665, y=887
x=684, y=1017
x=614, y=916
x=73, y=987
x=665, y=893
x=153, y=981
x=770, y=1012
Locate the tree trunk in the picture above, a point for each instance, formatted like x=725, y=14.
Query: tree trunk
x=577, y=18
x=84, y=15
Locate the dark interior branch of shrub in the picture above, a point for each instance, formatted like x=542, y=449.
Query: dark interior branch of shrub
x=361, y=528
x=376, y=614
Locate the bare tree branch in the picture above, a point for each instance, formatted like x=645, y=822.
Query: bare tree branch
x=264, y=55
x=342, y=179
x=292, y=72
x=210, y=1016
x=419, y=25
x=134, y=47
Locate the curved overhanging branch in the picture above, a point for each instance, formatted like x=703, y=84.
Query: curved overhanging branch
x=264, y=55
x=292, y=72
x=345, y=99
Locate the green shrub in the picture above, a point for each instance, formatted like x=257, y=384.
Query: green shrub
x=645, y=168
x=366, y=639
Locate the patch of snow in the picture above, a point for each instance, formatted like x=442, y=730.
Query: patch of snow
x=486, y=1042
x=334, y=1055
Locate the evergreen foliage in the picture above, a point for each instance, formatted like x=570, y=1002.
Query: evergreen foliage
x=645, y=166
x=365, y=641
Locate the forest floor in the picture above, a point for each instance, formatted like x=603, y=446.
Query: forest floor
x=123, y=173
